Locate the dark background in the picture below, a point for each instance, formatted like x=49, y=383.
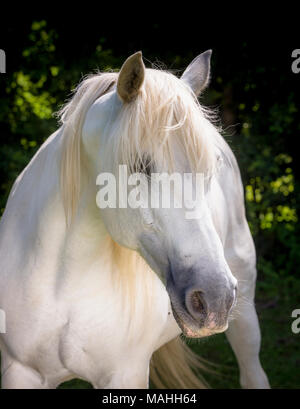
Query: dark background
x=258, y=99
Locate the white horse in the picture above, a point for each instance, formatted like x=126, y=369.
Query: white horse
x=99, y=293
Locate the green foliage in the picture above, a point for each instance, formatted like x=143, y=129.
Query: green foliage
x=33, y=94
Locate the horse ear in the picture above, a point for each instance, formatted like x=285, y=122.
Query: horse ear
x=131, y=77
x=198, y=72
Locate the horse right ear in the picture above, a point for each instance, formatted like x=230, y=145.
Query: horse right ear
x=131, y=77
x=198, y=72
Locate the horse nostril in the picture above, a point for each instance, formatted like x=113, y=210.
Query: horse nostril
x=197, y=302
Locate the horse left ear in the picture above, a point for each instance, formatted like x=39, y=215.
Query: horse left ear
x=131, y=77
x=197, y=73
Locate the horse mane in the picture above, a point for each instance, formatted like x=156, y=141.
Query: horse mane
x=166, y=111
x=72, y=117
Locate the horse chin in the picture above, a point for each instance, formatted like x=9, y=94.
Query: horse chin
x=191, y=329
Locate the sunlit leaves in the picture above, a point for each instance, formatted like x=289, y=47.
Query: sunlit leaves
x=30, y=98
x=266, y=198
x=54, y=71
x=28, y=144
x=283, y=184
x=30, y=90
x=41, y=40
x=278, y=214
x=283, y=158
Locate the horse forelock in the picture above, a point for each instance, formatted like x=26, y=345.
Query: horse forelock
x=165, y=113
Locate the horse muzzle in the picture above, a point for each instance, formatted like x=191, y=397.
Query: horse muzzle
x=203, y=309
